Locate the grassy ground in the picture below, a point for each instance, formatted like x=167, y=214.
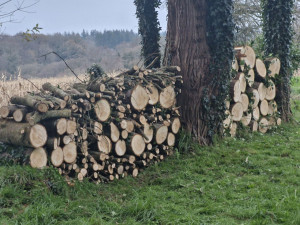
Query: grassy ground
x=251, y=180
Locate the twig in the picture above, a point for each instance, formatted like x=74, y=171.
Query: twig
x=45, y=55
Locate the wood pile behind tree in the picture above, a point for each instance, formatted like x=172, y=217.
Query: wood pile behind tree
x=251, y=102
x=104, y=130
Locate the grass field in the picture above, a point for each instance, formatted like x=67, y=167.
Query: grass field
x=254, y=179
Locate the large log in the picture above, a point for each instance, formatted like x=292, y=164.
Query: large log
x=22, y=134
x=56, y=91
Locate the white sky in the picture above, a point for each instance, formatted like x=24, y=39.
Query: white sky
x=75, y=15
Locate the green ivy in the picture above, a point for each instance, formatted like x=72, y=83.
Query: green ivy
x=220, y=36
x=149, y=29
x=278, y=35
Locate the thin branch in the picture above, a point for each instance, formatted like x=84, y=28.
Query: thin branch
x=64, y=62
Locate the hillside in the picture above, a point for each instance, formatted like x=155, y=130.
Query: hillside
x=113, y=50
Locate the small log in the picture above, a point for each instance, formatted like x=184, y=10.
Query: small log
x=38, y=158
x=263, y=125
x=233, y=129
x=30, y=102
x=148, y=132
x=20, y=114
x=235, y=90
x=104, y=144
x=102, y=110
x=56, y=91
x=245, y=102
x=261, y=68
x=70, y=152
x=57, y=157
x=22, y=134
x=120, y=148
x=227, y=122
x=236, y=111
x=167, y=97
x=272, y=108
x=264, y=107
x=271, y=91
x=176, y=125
x=161, y=133
x=171, y=139
x=71, y=127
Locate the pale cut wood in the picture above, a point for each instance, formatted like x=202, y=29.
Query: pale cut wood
x=7, y=111
x=254, y=97
x=271, y=91
x=71, y=126
x=279, y=121
x=250, y=77
x=233, y=129
x=263, y=125
x=264, y=107
x=57, y=157
x=261, y=68
x=161, y=133
x=243, y=83
x=245, y=102
x=262, y=90
x=114, y=132
x=120, y=148
x=236, y=111
x=235, y=64
x=20, y=114
x=124, y=134
x=102, y=110
x=98, y=128
x=235, y=90
x=246, y=54
x=70, y=152
x=153, y=94
x=272, y=108
x=167, y=97
x=137, y=144
x=256, y=113
x=227, y=122
x=139, y=98
x=254, y=126
x=246, y=119
x=104, y=144
x=61, y=126
x=38, y=158
x=148, y=133
x=274, y=66
x=171, y=139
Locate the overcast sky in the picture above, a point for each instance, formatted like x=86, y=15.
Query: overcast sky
x=74, y=15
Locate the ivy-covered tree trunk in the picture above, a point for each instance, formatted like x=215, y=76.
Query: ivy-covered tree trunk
x=149, y=29
x=277, y=18
x=200, y=41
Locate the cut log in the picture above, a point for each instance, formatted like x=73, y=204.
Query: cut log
x=148, y=133
x=56, y=91
x=274, y=66
x=261, y=68
x=102, y=110
x=236, y=111
x=161, y=133
x=279, y=121
x=167, y=97
x=171, y=139
x=235, y=90
x=246, y=119
x=272, y=108
x=104, y=144
x=176, y=125
x=271, y=91
x=262, y=90
x=250, y=77
x=139, y=98
x=70, y=152
x=153, y=94
x=20, y=114
x=264, y=107
x=30, y=102
x=137, y=144
x=71, y=127
x=245, y=102
x=256, y=113
x=114, y=132
x=263, y=125
x=52, y=143
x=22, y=134
x=254, y=98
x=246, y=54
x=254, y=126
x=57, y=157
x=233, y=129
x=7, y=111
x=243, y=83
x=97, y=127
x=120, y=148
x=38, y=158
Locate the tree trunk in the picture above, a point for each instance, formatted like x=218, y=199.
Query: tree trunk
x=188, y=47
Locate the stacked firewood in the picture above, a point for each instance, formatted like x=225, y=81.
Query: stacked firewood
x=105, y=129
x=252, y=92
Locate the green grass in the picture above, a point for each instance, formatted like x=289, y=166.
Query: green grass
x=251, y=180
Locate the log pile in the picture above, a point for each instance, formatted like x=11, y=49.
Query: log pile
x=251, y=102
x=106, y=129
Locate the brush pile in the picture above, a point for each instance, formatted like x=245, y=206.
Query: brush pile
x=252, y=93
x=106, y=129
